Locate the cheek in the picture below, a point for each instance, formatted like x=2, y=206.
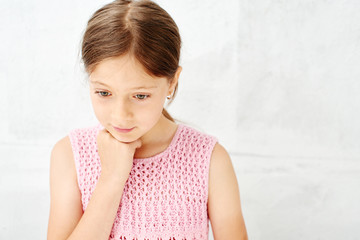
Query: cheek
x=152, y=112
x=99, y=110
x=160, y=104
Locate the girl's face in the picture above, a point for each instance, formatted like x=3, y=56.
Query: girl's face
x=124, y=96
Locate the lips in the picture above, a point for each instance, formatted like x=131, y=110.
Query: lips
x=123, y=130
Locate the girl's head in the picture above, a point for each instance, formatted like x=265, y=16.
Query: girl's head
x=128, y=45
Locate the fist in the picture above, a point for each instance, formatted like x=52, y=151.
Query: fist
x=116, y=157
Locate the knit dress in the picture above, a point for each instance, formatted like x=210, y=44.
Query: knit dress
x=165, y=196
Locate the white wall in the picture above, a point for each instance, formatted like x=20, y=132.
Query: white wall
x=276, y=81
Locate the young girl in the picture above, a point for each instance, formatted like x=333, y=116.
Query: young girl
x=138, y=174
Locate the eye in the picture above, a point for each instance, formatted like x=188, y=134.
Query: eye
x=141, y=96
x=102, y=93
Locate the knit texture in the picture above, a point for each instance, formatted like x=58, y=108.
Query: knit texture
x=165, y=196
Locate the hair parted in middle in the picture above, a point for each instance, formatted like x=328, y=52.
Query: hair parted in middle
x=140, y=28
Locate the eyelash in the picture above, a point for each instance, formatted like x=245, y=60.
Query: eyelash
x=97, y=92
x=145, y=96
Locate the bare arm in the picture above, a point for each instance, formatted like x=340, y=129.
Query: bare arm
x=67, y=220
x=224, y=205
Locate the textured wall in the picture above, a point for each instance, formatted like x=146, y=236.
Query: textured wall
x=276, y=81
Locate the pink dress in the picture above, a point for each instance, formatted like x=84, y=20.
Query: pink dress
x=165, y=196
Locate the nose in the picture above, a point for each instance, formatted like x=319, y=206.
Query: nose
x=121, y=111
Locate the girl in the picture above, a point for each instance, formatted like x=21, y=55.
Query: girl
x=138, y=174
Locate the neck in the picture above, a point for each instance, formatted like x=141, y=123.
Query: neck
x=157, y=139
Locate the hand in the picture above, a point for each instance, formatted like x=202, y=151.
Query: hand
x=116, y=157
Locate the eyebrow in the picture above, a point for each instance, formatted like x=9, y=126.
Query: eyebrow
x=135, y=88
x=100, y=83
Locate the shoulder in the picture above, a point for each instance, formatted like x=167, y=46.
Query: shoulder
x=62, y=147
x=65, y=149
x=220, y=163
x=61, y=153
x=62, y=144
x=221, y=169
x=219, y=153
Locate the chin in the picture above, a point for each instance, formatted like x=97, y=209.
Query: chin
x=125, y=137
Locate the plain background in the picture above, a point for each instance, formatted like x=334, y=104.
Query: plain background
x=276, y=81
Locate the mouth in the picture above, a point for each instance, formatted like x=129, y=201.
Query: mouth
x=123, y=130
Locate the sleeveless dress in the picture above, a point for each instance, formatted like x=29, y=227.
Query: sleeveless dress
x=165, y=196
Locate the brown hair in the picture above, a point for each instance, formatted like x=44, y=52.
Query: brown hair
x=141, y=28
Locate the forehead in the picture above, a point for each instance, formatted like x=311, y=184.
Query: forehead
x=123, y=70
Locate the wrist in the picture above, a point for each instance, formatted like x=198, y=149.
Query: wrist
x=113, y=178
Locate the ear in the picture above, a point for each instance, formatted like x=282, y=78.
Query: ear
x=175, y=80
